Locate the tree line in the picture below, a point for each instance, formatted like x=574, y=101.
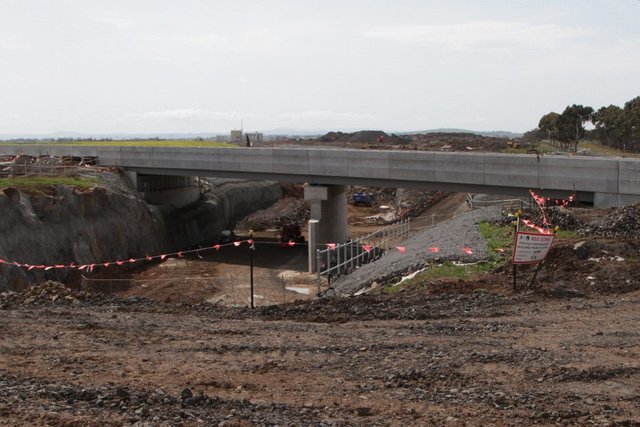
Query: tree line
x=613, y=126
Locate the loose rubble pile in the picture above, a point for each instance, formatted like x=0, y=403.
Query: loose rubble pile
x=406, y=305
x=457, y=142
x=285, y=211
x=557, y=216
x=363, y=137
x=129, y=406
x=588, y=267
x=417, y=201
x=49, y=293
x=436, y=141
x=623, y=223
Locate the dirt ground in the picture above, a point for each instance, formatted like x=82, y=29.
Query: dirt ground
x=406, y=359
x=224, y=277
x=183, y=348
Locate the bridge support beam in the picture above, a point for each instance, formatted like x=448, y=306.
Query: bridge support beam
x=329, y=209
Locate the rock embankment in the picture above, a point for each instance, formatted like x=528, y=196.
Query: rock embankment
x=111, y=222
x=450, y=238
x=223, y=203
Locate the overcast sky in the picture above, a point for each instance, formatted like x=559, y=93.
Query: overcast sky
x=99, y=66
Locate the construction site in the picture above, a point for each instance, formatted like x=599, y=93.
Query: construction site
x=437, y=328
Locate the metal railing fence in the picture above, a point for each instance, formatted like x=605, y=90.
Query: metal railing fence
x=44, y=170
x=346, y=257
x=505, y=204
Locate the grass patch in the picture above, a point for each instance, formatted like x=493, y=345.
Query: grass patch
x=497, y=237
x=542, y=147
x=566, y=234
x=131, y=143
x=41, y=184
x=602, y=150
x=448, y=270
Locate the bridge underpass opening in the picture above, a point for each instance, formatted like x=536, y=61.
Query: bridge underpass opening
x=175, y=190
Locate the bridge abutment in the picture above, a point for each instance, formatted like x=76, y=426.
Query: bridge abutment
x=329, y=208
x=175, y=190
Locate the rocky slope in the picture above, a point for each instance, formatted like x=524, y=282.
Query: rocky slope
x=111, y=222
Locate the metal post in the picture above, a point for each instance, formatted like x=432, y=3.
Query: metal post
x=394, y=234
x=515, y=266
x=319, y=267
x=251, y=249
x=284, y=290
x=535, y=274
x=353, y=254
x=384, y=237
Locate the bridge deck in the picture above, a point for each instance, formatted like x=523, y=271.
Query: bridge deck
x=614, y=178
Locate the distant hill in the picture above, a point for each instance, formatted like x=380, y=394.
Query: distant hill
x=279, y=131
x=116, y=136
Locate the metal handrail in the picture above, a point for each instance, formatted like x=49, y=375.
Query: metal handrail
x=346, y=257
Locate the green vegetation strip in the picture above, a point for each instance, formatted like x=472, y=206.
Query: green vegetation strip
x=497, y=237
x=130, y=143
x=38, y=185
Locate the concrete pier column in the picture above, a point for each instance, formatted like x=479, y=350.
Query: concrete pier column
x=329, y=209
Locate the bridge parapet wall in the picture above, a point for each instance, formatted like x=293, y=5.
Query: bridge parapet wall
x=509, y=174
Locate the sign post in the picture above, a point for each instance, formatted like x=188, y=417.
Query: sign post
x=531, y=248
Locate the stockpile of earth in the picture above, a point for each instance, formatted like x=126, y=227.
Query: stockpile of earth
x=578, y=269
x=363, y=137
x=457, y=142
x=285, y=211
x=564, y=218
x=49, y=293
x=417, y=201
x=414, y=201
x=557, y=216
x=408, y=304
x=623, y=223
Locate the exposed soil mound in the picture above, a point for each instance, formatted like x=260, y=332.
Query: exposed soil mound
x=284, y=211
x=623, y=223
x=587, y=267
x=406, y=305
x=416, y=201
x=558, y=216
x=457, y=142
x=363, y=137
x=49, y=293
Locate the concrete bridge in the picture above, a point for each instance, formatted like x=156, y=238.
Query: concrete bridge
x=604, y=182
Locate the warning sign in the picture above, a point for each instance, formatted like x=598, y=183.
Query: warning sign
x=531, y=247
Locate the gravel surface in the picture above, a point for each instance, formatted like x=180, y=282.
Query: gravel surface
x=450, y=237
